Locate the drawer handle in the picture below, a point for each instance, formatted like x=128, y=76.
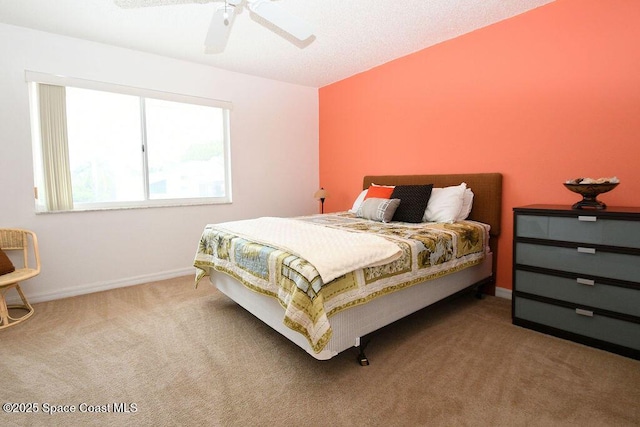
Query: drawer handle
x=587, y=218
x=587, y=282
x=586, y=250
x=582, y=312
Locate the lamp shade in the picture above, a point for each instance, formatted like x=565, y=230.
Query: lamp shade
x=321, y=194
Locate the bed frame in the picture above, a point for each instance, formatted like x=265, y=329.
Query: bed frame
x=352, y=325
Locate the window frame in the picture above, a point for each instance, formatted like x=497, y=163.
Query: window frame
x=35, y=78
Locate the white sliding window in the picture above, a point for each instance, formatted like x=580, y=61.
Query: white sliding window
x=105, y=147
x=117, y=147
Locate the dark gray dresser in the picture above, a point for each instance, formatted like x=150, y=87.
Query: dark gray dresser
x=576, y=275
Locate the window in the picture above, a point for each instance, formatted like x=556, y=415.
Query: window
x=99, y=146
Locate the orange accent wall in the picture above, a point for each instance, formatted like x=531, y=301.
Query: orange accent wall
x=543, y=97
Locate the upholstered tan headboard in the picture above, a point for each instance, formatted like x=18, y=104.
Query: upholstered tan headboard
x=487, y=199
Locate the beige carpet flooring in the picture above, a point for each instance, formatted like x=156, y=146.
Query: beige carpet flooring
x=185, y=356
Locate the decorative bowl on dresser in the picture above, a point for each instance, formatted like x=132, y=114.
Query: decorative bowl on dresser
x=589, y=193
x=576, y=275
x=589, y=189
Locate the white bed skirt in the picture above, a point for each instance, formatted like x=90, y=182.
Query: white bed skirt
x=350, y=325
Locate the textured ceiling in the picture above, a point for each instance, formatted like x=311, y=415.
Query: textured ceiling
x=351, y=36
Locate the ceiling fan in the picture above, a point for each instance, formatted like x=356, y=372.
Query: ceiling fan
x=224, y=15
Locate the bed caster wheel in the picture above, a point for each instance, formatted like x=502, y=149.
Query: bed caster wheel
x=480, y=292
x=362, y=358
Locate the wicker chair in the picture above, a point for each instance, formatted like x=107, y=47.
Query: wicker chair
x=26, y=242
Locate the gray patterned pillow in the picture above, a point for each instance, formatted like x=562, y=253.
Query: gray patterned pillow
x=378, y=209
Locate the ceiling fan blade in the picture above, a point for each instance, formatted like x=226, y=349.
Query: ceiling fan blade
x=130, y=4
x=279, y=17
x=219, y=28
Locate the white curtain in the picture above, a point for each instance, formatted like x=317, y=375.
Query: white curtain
x=55, y=148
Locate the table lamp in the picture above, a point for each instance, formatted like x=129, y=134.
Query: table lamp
x=321, y=194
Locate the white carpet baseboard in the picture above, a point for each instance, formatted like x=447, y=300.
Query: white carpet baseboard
x=101, y=286
x=503, y=293
x=137, y=280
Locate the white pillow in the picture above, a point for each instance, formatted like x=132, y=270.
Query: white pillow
x=445, y=204
x=467, y=204
x=358, y=201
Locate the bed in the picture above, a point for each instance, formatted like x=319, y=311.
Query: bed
x=328, y=309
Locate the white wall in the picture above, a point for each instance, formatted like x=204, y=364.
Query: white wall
x=274, y=149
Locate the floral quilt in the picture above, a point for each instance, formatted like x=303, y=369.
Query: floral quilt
x=429, y=251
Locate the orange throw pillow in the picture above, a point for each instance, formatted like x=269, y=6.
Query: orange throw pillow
x=379, y=192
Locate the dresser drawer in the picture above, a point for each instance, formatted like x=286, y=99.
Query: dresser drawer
x=626, y=334
x=580, y=260
x=582, y=229
x=606, y=297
